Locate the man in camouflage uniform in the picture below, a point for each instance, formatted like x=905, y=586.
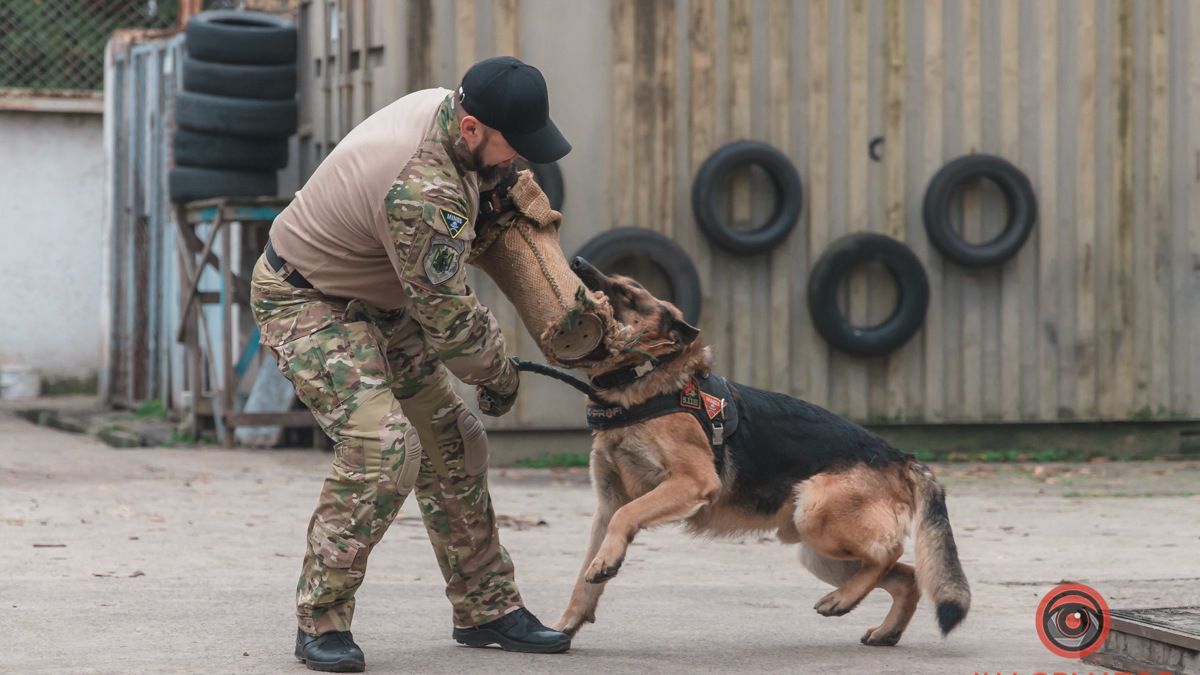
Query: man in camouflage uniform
x=362, y=297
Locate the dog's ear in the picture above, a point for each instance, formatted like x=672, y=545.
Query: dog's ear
x=684, y=332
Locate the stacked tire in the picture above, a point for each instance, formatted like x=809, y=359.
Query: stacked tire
x=237, y=107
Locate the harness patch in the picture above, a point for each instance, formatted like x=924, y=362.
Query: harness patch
x=443, y=259
x=455, y=222
x=690, y=397
x=712, y=405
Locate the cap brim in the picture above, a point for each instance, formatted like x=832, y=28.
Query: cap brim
x=542, y=146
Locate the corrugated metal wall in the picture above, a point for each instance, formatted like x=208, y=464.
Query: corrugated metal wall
x=142, y=361
x=1098, y=102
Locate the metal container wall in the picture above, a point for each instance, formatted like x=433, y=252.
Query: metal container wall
x=142, y=313
x=1096, y=318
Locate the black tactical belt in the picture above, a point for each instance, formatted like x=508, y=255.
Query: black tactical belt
x=276, y=263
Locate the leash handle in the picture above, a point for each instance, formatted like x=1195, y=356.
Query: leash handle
x=562, y=376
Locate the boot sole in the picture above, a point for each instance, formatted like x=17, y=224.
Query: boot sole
x=486, y=637
x=343, y=666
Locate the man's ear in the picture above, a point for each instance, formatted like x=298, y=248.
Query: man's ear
x=684, y=332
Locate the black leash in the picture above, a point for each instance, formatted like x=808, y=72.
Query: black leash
x=562, y=376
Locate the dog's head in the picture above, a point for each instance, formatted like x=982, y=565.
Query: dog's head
x=658, y=327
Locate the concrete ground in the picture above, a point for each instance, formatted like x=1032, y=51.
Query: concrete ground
x=184, y=560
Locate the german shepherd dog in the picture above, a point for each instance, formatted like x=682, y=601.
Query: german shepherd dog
x=790, y=467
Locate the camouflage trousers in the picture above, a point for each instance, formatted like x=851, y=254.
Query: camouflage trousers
x=386, y=402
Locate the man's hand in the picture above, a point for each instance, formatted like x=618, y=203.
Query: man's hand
x=495, y=403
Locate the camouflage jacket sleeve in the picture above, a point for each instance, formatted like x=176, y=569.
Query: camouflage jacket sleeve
x=426, y=218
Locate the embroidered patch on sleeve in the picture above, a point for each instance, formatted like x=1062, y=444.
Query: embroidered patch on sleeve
x=443, y=259
x=455, y=222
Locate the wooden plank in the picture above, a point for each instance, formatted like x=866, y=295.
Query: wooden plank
x=645, y=134
x=1047, y=232
x=1122, y=301
x=702, y=135
x=1104, y=269
x=876, y=279
x=913, y=188
x=1011, y=366
x=805, y=342
x=664, y=115
x=1183, y=173
x=740, y=196
x=756, y=272
x=972, y=293
x=505, y=26
x=1067, y=113
x=621, y=179
x=1192, y=218
x=1143, y=269
x=895, y=163
x=779, y=97
x=819, y=150
x=840, y=49
x=291, y=418
x=857, y=48
x=933, y=401
x=1159, y=225
x=1085, y=214
x=465, y=32
x=992, y=212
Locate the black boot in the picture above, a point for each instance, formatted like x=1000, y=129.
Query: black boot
x=517, y=631
x=331, y=652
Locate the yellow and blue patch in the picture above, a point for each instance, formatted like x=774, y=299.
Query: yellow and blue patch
x=455, y=222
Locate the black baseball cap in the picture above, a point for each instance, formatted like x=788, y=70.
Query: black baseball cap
x=510, y=96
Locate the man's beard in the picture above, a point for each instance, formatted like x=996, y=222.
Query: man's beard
x=488, y=175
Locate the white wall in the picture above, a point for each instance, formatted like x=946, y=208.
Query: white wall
x=51, y=226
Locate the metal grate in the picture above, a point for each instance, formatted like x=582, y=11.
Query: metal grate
x=59, y=44
x=51, y=45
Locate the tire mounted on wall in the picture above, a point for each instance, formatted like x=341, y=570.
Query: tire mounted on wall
x=1018, y=193
x=624, y=243
x=912, y=294
x=247, y=38
x=716, y=170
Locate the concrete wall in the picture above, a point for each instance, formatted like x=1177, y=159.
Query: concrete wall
x=51, y=231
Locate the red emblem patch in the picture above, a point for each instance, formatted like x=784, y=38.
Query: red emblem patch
x=712, y=405
x=690, y=397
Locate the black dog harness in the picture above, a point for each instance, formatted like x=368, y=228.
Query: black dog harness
x=710, y=399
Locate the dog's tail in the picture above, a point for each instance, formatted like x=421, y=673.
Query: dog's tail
x=939, y=573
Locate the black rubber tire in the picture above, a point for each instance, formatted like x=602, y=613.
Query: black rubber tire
x=193, y=148
x=239, y=81
x=789, y=197
x=609, y=247
x=1018, y=192
x=550, y=178
x=188, y=183
x=912, y=294
x=235, y=116
x=248, y=38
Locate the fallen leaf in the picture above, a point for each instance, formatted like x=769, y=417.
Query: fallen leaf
x=19, y=522
x=137, y=573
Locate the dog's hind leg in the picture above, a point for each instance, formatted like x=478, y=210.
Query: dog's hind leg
x=842, y=517
x=901, y=583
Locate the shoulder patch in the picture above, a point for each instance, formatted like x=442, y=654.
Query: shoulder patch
x=455, y=222
x=443, y=259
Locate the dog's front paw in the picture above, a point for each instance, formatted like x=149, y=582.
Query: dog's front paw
x=570, y=624
x=600, y=570
x=834, y=604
